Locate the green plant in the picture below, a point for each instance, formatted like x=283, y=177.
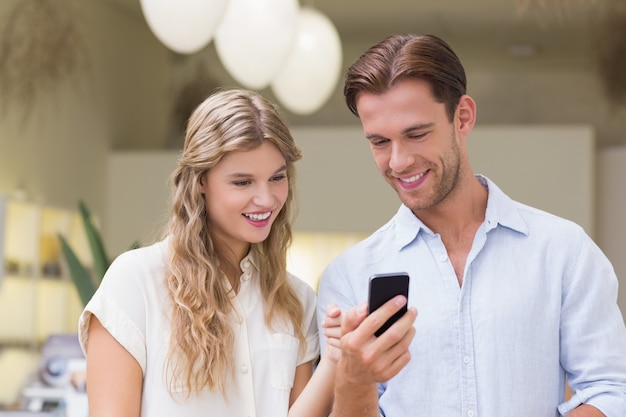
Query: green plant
x=86, y=283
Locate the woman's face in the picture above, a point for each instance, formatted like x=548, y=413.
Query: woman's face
x=244, y=193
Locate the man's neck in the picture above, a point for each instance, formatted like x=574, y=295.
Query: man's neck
x=460, y=213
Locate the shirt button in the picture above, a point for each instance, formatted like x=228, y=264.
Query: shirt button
x=244, y=369
x=443, y=258
x=245, y=277
x=470, y=413
x=466, y=359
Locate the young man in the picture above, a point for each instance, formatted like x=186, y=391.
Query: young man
x=512, y=300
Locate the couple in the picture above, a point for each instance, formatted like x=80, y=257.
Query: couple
x=208, y=321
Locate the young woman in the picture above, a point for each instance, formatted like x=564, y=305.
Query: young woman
x=208, y=321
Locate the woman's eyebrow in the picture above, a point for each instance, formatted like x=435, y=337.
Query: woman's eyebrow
x=247, y=175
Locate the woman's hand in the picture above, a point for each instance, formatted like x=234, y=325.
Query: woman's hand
x=332, y=330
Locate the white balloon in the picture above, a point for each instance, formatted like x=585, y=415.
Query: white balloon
x=312, y=70
x=184, y=26
x=254, y=39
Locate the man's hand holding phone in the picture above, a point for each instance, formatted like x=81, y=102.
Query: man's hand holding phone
x=367, y=358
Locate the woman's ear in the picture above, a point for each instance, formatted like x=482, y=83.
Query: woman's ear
x=202, y=180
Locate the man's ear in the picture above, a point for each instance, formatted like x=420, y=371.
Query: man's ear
x=466, y=114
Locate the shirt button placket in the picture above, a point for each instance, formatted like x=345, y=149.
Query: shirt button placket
x=466, y=353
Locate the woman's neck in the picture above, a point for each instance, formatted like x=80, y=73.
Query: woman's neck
x=230, y=257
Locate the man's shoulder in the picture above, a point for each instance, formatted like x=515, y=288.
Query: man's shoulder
x=523, y=217
x=535, y=216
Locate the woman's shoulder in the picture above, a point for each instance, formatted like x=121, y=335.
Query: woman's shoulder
x=304, y=291
x=301, y=286
x=140, y=265
x=143, y=257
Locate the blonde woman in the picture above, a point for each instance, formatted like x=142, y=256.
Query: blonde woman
x=208, y=322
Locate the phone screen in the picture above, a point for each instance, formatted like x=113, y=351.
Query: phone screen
x=382, y=288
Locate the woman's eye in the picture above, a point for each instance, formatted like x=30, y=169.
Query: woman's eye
x=279, y=177
x=241, y=183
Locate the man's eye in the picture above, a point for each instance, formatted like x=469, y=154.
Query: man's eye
x=378, y=142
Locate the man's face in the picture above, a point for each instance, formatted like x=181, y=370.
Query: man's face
x=414, y=144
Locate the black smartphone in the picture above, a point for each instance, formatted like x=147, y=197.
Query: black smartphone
x=383, y=287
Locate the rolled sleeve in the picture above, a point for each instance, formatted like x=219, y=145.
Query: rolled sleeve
x=119, y=304
x=593, y=337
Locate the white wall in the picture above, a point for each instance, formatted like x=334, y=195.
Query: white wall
x=55, y=152
x=137, y=197
x=340, y=189
x=549, y=167
x=611, y=211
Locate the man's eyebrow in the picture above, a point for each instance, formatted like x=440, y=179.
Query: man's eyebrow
x=420, y=126
x=370, y=136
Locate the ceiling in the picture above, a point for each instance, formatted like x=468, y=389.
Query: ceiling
x=532, y=36
x=493, y=23
x=558, y=28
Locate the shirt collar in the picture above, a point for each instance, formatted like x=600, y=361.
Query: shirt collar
x=501, y=210
x=247, y=264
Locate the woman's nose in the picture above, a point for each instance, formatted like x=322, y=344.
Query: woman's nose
x=263, y=196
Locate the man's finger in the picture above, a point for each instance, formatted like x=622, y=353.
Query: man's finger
x=379, y=316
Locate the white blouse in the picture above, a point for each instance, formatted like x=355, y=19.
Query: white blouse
x=132, y=304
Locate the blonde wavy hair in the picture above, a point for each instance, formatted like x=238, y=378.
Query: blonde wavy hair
x=201, y=344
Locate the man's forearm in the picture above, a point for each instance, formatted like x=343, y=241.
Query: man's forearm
x=354, y=400
x=586, y=410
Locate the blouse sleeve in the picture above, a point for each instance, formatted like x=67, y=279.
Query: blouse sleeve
x=119, y=304
x=309, y=323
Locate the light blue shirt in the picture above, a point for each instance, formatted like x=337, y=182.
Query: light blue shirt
x=538, y=303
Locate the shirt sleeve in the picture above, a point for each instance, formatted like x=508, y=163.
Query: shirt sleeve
x=334, y=288
x=593, y=337
x=118, y=304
